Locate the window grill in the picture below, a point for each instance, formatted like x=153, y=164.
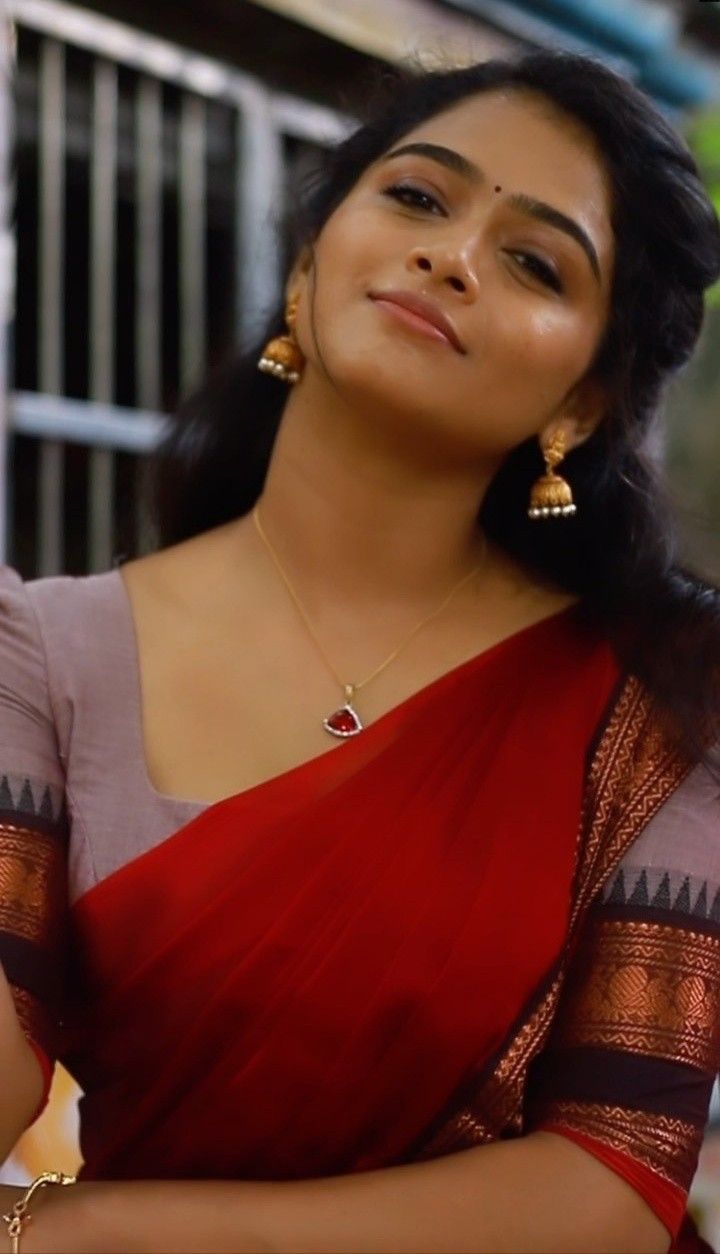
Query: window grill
x=149, y=184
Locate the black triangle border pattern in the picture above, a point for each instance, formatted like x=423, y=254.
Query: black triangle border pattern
x=676, y=891
x=36, y=799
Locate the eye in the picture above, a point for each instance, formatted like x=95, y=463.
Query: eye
x=414, y=197
x=543, y=271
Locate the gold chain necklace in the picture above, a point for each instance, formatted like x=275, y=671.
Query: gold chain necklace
x=345, y=721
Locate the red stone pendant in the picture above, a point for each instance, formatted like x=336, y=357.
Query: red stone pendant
x=346, y=720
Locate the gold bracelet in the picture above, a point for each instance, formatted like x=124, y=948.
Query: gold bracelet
x=19, y=1217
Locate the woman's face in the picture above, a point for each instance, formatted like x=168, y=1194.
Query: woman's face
x=528, y=300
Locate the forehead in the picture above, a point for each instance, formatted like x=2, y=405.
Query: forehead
x=524, y=143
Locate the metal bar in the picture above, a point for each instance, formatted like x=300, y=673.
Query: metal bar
x=103, y=165
x=51, y=178
x=258, y=198
x=107, y=37
x=311, y=122
x=103, y=223
x=134, y=48
x=163, y=60
x=191, y=240
x=7, y=267
x=263, y=118
x=85, y=422
x=258, y=194
x=149, y=244
x=148, y=278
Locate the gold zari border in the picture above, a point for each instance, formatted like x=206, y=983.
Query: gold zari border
x=29, y=861
x=666, y=1145
x=654, y=990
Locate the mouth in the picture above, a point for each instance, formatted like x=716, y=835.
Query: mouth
x=419, y=313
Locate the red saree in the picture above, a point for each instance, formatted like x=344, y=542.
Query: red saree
x=355, y=963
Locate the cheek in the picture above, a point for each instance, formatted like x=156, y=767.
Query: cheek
x=343, y=252
x=548, y=348
x=351, y=257
x=322, y=321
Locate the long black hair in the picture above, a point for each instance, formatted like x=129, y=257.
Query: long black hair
x=620, y=551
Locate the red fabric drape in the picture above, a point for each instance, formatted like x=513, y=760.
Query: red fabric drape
x=294, y=983
x=298, y=981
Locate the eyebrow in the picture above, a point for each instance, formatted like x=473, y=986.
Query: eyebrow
x=517, y=200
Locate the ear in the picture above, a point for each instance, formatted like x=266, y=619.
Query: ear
x=582, y=412
x=300, y=268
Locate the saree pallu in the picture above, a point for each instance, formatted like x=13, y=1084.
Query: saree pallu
x=355, y=964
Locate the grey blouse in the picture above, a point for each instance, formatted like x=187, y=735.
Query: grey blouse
x=70, y=724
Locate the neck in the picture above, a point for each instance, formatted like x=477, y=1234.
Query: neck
x=362, y=514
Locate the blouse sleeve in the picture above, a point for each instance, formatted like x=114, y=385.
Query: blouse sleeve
x=33, y=829
x=629, y=1067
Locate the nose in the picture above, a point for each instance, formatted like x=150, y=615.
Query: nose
x=447, y=265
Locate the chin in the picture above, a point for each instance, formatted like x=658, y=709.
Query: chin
x=380, y=391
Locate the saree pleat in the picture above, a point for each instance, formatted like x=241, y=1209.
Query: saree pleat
x=297, y=981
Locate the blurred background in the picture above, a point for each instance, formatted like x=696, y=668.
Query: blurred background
x=148, y=156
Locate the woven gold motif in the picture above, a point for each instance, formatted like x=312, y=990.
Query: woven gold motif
x=665, y=1145
x=28, y=863
x=654, y=989
x=633, y=771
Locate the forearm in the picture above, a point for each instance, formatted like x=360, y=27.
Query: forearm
x=538, y=1193
x=21, y=1080
x=20, y=1091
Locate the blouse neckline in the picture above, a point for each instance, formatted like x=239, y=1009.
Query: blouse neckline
x=395, y=713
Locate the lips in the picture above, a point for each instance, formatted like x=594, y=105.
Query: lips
x=424, y=309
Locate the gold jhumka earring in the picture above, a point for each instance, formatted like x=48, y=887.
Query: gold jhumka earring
x=551, y=495
x=283, y=357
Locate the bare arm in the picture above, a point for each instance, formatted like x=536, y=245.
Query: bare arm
x=538, y=1193
x=21, y=1080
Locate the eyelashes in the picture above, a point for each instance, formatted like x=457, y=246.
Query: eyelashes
x=415, y=198
x=544, y=272
x=407, y=194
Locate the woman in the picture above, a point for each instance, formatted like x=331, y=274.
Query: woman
x=390, y=782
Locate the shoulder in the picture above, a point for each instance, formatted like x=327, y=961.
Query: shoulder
x=675, y=860
x=56, y=599
x=188, y=574
x=28, y=731
x=55, y=634
x=21, y=646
